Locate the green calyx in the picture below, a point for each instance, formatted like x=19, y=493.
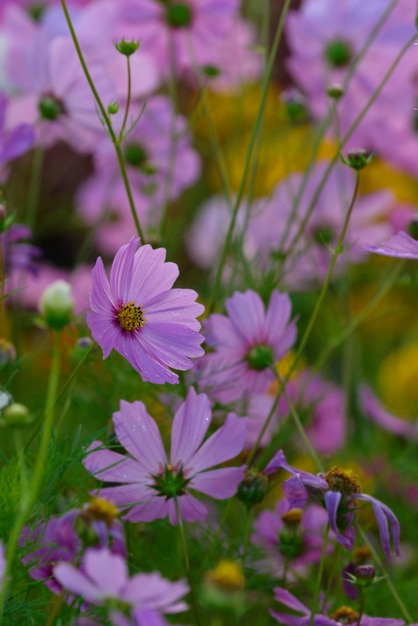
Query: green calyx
x=50, y=108
x=338, y=53
x=179, y=15
x=260, y=357
x=170, y=484
x=136, y=156
x=290, y=544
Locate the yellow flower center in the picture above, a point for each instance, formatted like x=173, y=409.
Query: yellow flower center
x=344, y=481
x=345, y=615
x=227, y=576
x=103, y=510
x=292, y=517
x=130, y=317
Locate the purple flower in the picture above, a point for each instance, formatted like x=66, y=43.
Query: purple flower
x=344, y=615
x=401, y=245
x=247, y=344
x=103, y=578
x=290, y=537
x=149, y=481
x=18, y=255
x=15, y=142
x=337, y=490
x=64, y=538
x=139, y=314
x=374, y=409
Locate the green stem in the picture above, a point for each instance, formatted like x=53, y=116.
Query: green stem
x=319, y=578
x=314, y=315
x=34, y=186
x=247, y=164
x=362, y=603
x=187, y=562
x=34, y=487
x=344, y=140
x=389, y=582
x=106, y=120
x=128, y=100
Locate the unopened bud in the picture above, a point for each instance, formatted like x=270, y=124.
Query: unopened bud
x=253, y=488
x=57, y=304
x=357, y=159
x=15, y=415
x=336, y=91
x=127, y=48
x=113, y=108
x=365, y=572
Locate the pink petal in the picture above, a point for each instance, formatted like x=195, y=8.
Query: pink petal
x=122, y=271
x=75, y=581
x=219, y=483
x=111, y=466
x=246, y=312
x=108, y=571
x=190, y=426
x=225, y=444
x=139, y=434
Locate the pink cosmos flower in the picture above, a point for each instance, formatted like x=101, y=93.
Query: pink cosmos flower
x=401, y=245
x=339, y=492
x=291, y=538
x=338, y=618
x=247, y=343
x=185, y=34
x=149, y=480
x=140, y=316
x=15, y=142
x=374, y=409
x=104, y=576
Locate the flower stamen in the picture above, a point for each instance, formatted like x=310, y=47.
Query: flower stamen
x=344, y=481
x=130, y=317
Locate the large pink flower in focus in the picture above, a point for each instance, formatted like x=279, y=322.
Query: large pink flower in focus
x=150, y=481
x=139, y=314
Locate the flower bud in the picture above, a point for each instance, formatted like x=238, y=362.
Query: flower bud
x=113, y=108
x=127, y=48
x=16, y=415
x=336, y=91
x=357, y=158
x=253, y=488
x=57, y=305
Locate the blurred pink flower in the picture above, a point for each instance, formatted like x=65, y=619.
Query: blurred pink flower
x=247, y=343
x=149, y=481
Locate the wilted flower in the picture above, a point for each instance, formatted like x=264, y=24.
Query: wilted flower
x=339, y=491
x=151, y=483
x=139, y=314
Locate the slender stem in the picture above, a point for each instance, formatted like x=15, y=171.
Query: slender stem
x=187, y=562
x=387, y=578
x=247, y=164
x=107, y=121
x=34, y=185
x=128, y=100
x=362, y=603
x=344, y=140
x=32, y=492
x=247, y=529
x=319, y=578
x=314, y=315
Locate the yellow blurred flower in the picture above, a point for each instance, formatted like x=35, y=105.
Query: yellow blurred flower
x=397, y=380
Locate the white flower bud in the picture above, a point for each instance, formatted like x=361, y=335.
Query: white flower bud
x=57, y=305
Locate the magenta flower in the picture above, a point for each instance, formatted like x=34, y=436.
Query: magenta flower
x=139, y=314
x=291, y=538
x=401, y=245
x=149, y=481
x=15, y=142
x=247, y=344
x=103, y=579
x=64, y=538
x=371, y=407
x=344, y=615
x=339, y=491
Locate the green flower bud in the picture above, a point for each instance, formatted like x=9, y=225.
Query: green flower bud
x=179, y=15
x=253, y=488
x=127, y=48
x=260, y=357
x=211, y=70
x=57, y=305
x=50, y=108
x=113, y=108
x=15, y=415
x=336, y=91
x=338, y=53
x=357, y=159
